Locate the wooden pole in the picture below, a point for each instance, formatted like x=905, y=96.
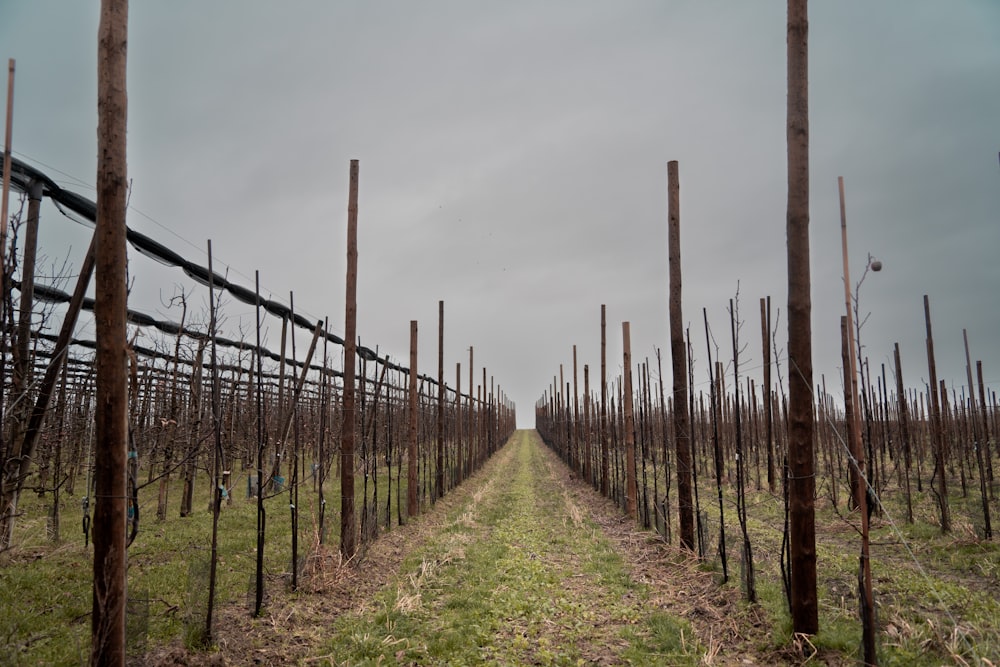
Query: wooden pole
x=866, y=600
x=111, y=413
x=22, y=342
x=575, y=444
x=6, y=175
x=261, y=442
x=472, y=409
x=459, y=474
x=937, y=432
x=802, y=481
x=678, y=355
x=440, y=404
x=605, y=490
x=588, y=471
x=904, y=431
x=411, y=470
x=217, y=453
x=348, y=539
x=978, y=442
x=765, y=331
x=630, y=484
x=986, y=424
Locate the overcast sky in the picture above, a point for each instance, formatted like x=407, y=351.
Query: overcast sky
x=513, y=161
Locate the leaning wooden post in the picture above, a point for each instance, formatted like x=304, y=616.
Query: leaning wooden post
x=678, y=355
x=866, y=600
x=411, y=441
x=111, y=413
x=6, y=172
x=937, y=432
x=801, y=482
x=348, y=540
x=630, y=484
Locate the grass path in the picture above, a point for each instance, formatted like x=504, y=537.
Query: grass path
x=515, y=574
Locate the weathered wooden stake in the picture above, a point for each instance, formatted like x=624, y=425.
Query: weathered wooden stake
x=765, y=331
x=630, y=482
x=604, y=403
x=440, y=404
x=937, y=434
x=411, y=470
x=678, y=356
x=348, y=539
x=866, y=599
x=111, y=410
x=4, y=197
x=802, y=481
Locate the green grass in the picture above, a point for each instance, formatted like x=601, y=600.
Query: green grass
x=45, y=588
x=514, y=577
x=940, y=608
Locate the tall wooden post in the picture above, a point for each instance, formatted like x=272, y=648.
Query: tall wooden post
x=459, y=470
x=216, y=401
x=904, y=430
x=22, y=342
x=937, y=431
x=411, y=440
x=765, y=335
x=630, y=483
x=978, y=443
x=802, y=482
x=5, y=195
x=866, y=597
x=605, y=490
x=588, y=471
x=678, y=355
x=575, y=446
x=348, y=539
x=472, y=410
x=111, y=410
x=440, y=405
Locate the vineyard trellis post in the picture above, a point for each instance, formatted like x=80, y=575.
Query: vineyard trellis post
x=678, y=356
x=977, y=443
x=217, y=461
x=605, y=490
x=348, y=541
x=937, y=435
x=261, y=445
x=439, y=477
x=5, y=195
x=801, y=472
x=111, y=413
x=629, y=426
x=866, y=600
x=411, y=441
x=765, y=325
x=21, y=376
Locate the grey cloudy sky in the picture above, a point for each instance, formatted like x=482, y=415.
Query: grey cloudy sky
x=513, y=163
